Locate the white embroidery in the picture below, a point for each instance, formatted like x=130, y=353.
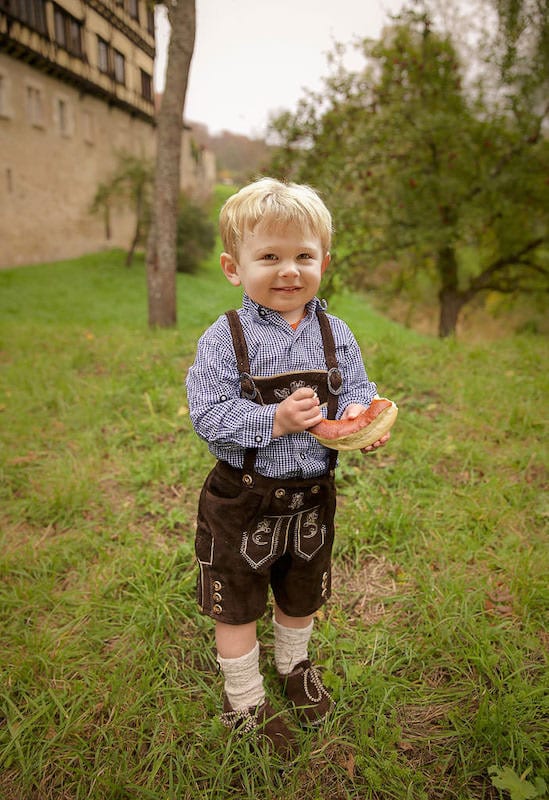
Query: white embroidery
x=297, y=500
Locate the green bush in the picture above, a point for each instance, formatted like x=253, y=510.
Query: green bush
x=195, y=236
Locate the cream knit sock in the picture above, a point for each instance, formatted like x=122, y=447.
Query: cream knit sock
x=291, y=646
x=243, y=680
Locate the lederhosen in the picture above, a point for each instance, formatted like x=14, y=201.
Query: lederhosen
x=254, y=532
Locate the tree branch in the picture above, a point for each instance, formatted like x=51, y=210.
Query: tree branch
x=481, y=281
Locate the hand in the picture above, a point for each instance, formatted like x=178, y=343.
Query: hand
x=351, y=412
x=379, y=443
x=299, y=411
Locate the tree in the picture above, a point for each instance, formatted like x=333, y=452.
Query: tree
x=129, y=185
x=420, y=170
x=161, y=244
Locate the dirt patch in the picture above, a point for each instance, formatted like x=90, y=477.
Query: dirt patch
x=363, y=591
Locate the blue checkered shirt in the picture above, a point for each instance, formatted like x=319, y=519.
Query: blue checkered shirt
x=230, y=424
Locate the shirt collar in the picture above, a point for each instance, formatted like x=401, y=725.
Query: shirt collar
x=261, y=313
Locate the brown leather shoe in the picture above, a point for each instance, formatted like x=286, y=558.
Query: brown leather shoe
x=262, y=723
x=304, y=687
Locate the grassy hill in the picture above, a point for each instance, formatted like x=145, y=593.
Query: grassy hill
x=434, y=643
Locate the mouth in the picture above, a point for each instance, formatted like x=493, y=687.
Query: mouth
x=287, y=289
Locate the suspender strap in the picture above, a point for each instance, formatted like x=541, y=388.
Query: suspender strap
x=335, y=381
x=247, y=387
x=239, y=342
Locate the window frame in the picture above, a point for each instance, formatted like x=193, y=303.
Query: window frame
x=35, y=109
x=146, y=86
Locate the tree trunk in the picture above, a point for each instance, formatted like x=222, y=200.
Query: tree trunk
x=161, y=245
x=450, y=306
x=451, y=299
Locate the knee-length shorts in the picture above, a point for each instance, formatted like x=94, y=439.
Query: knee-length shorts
x=275, y=533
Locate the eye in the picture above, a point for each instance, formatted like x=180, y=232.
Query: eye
x=304, y=256
x=269, y=257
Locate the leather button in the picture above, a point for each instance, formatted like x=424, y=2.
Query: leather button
x=315, y=489
x=217, y=586
x=217, y=609
x=247, y=480
x=217, y=597
x=280, y=493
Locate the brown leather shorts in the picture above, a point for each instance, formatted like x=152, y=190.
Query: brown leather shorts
x=276, y=533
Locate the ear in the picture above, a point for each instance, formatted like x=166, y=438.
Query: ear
x=230, y=268
x=325, y=262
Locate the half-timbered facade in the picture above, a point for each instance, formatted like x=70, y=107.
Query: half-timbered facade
x=76, y=88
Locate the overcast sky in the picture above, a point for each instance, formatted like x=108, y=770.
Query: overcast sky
x=253, y=57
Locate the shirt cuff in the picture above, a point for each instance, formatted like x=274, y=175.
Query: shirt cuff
x=259, y=429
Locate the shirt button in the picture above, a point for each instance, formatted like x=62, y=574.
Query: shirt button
x=258, y=438
x=223, y=398
x=262, y=311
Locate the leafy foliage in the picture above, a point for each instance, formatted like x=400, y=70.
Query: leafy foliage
x=417, y=168
x=518, y=787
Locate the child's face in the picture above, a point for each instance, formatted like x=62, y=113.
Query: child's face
x=279, y=268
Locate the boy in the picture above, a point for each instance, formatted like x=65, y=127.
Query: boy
x=262, y=377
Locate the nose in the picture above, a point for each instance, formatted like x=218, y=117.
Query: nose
x=288, y=267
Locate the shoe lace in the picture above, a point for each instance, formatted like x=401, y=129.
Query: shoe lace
x=243, y=718
x=313, y=686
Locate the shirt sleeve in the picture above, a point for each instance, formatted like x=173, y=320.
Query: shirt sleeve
x=218, y=413
x=357, y=388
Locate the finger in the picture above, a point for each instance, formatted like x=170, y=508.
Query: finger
x=303, y=393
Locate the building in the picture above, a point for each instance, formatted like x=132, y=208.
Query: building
x=76, y=88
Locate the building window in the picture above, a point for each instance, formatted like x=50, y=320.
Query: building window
x=30, y=12
x=133, y=9
x=63, y=116
x=68, y=31
x=102, y=55
x=75, y=37
x=5, y=97
x=119, y=67
x=35, y=106
x=88, y=127
x=146, y=86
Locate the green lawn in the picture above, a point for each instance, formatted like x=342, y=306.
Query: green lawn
x=434, y=643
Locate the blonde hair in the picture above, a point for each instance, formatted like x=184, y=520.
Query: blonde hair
x=277, y=204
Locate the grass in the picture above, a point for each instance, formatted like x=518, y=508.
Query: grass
x=434, y=643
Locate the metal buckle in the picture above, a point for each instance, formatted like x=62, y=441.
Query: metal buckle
x=246, y=377
x=334, y=371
